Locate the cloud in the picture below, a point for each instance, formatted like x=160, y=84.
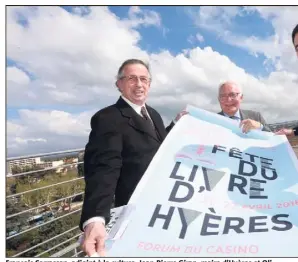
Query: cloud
x=193, y=78
x=76, y=54
x=44, y=131
x=193, y=39
x=70, y=59
x=214, y=18
x=199, y=37
x=17, y=76
x=138, y=16
x=277, y=48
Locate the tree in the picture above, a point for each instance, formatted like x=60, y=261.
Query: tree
x=39, y=235
x=81, y=166
x=34, y=199
x=15, y=223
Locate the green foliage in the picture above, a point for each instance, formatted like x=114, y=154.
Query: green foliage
x=17, y=169
x=37, y=198
x=43, y=196
x=15, y=223
x=36, y=236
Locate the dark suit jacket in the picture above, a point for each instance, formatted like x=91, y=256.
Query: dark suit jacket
x=121, y=145
x=171, y=125
x=296, y=131
x=249, y=114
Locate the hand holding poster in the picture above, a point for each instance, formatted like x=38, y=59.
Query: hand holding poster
x=213, y=191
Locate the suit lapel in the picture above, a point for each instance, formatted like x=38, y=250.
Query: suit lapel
x=242, y=115
x=134, y=120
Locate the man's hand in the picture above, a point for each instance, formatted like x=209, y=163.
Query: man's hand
x=249, y=124
x=182, y=113
x=285, y=131
x=94, y=239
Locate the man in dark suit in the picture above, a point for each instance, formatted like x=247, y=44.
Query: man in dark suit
x=123, y=140
x=230, y=97
x=294, y=131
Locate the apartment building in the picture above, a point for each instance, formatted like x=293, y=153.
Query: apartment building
x=21, y=163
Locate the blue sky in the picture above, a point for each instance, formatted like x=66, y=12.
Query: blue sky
x=177, y=26
x=62, y=61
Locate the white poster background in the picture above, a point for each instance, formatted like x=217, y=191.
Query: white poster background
x=191, y=142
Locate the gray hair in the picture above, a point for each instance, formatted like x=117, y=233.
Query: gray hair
x=230, y=83
x=131, y=62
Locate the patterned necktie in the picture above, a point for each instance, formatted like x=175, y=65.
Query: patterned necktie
x=146, y=116
x=235, y=118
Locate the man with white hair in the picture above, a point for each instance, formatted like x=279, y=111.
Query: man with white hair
x=230, y=97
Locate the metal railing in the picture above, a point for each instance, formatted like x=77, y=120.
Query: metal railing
x=30, y=233
x=286, y=124
x=43, y=207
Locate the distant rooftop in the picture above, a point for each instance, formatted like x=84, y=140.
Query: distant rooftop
x=286, y=124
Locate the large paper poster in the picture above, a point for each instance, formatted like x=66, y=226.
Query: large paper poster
x=213, y=191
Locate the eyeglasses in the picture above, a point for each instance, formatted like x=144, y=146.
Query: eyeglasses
x=230, y=95
x=134, y=79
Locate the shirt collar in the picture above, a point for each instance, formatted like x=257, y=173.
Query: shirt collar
x=135, y=107
x=237, y=114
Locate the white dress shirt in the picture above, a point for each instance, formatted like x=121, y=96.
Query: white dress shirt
x=135, y=107
x=237, y=117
